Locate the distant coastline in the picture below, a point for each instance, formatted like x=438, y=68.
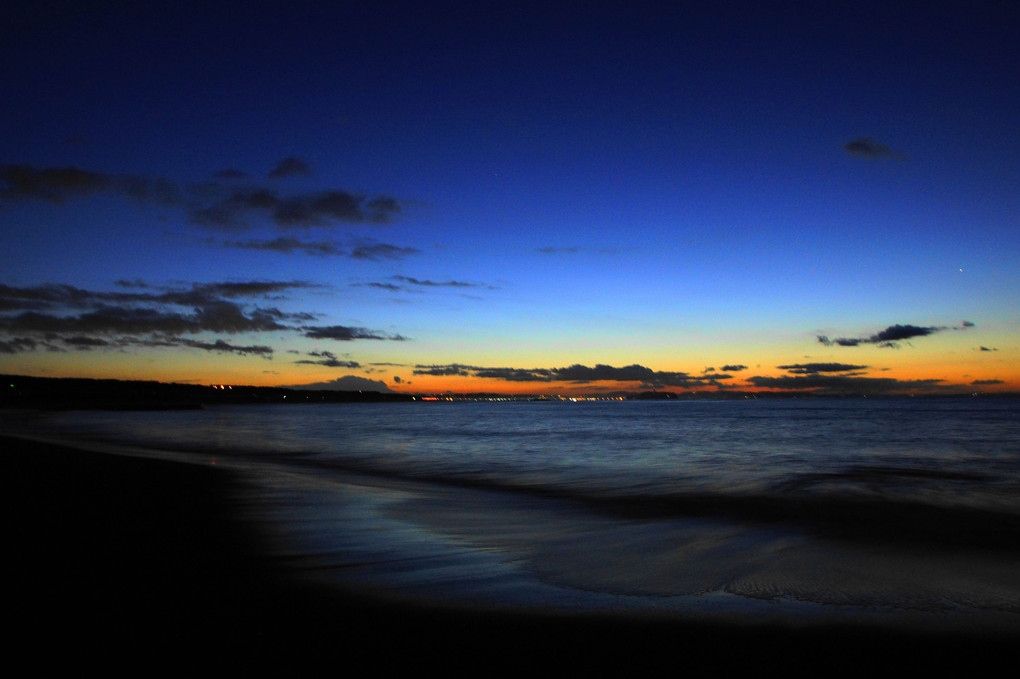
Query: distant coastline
x=80, y=393
x=56, y=393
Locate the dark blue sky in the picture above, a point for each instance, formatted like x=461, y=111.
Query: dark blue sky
x=510, y=185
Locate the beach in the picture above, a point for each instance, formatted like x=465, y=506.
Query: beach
x=116, y=558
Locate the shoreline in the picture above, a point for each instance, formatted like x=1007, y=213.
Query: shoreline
x=149, y=553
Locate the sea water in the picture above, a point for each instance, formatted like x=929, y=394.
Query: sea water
x=791, y=508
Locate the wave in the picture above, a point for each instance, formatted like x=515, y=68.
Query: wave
x=814, y=503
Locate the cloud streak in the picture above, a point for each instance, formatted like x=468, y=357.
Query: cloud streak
x=577, y=374
x=410, y=284
x=842, y=384
x=288, y=245
x=840, y=379
x=868, y=148
x=344, y=333
x=818, y=368
x=891, y=336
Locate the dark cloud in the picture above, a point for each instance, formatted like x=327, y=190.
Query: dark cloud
x=577, y=374
x=445, y=370
x=83, y=342
x=843, y=384
x=328, y=359
x=222, y=316
x=58, y=185
x=328, y=207
x=53, y=295
x=987, y=349
x=734, y=368
x=54, y=185
x=56, y=317
x=331, y=363
x=17, y=345
x=225, y=347
x=220, y=204
x=86, y=343
x=249, y=288
x=377, y=251
x=290, y=167
x=839, y=341
x=382, y=286
x=418, y=285
x=287, y=245
x=345, y=333
x=815, y=368
x=891, y=336
x=866, y=147
x=979, y=383
x=895, y=333
x=437, y=284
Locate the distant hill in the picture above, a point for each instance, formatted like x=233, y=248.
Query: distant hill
x=345, y=383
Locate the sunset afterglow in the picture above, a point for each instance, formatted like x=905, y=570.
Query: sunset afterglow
x=517, y=199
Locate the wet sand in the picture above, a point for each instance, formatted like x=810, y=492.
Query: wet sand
x=119, y=560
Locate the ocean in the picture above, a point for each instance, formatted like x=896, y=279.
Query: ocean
x=891, y=511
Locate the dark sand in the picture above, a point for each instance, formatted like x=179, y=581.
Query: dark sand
x=116, y=560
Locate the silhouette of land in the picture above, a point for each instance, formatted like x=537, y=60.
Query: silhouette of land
x=18, y=391
x=75, y=393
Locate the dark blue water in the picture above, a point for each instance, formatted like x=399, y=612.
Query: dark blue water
x=936, y=451
x=788, y=507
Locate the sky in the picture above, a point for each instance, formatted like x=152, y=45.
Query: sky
x=554, y=198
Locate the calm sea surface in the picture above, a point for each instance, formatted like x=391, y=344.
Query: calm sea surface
x=936, y=451
x=904, y=505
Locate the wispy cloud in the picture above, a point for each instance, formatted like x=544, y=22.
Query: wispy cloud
x=408, y=283
x=578, y=250
x=377, y=251
x=866, y=147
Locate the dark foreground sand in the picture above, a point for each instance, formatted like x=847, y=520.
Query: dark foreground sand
x=112, y=561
